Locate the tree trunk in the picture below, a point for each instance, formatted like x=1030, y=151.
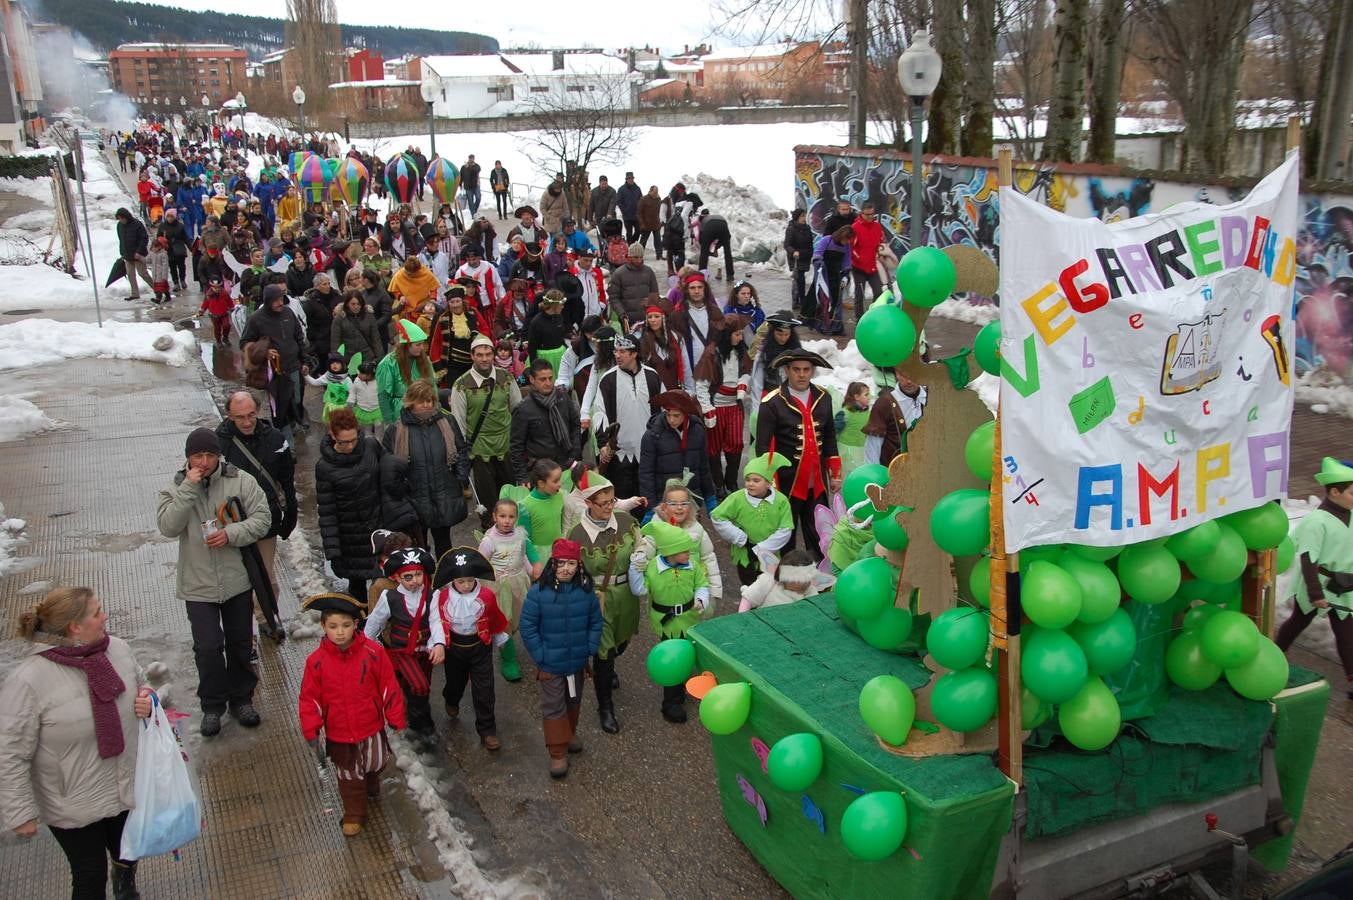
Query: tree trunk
x=1065, y=111
x=1313, y=137
x=1339, y=104
x=979, y=99
x=858, y=28
x=946, y=104
x=1105, y=70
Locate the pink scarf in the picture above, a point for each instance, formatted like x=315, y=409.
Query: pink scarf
x=104, y=687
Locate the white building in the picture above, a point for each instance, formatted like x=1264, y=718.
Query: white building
x=503, y=84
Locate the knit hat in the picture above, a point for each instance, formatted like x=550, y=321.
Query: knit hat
x=461, y=562
x=592, y=483
x=668, y=539
x=565, y=549
x=202, y=440
x=766, y=465
x=636, y=250
x=1332, y=471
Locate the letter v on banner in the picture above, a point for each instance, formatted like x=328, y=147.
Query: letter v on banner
x=1027, y=385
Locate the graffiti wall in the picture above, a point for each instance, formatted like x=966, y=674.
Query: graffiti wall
x=961, y=206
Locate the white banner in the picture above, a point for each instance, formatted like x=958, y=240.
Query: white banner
x=1146, y=383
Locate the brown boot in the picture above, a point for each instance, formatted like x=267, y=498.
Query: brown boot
x=557, y=734
x=574, y=744
x=353, y=793
x=373, y=785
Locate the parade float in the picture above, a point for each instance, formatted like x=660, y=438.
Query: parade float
x=1046, y=668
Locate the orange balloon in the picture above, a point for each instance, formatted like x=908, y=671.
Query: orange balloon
x=700, y=685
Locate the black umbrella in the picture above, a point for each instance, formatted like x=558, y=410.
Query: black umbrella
x=117, y=273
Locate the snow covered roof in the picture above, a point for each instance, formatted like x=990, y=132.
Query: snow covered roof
x=657, y=83
x=159, y=45
x=574, y=63
x=480, y=65
x=274, y=57
x=742, y=54
x=375, y=83
x=651, y=65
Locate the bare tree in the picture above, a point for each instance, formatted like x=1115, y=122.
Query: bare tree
x=1067, y=106
x=313, y=33
x=1026, y=76
x=979, y=89
x=1105, y=73
x=1195, y=47
x=946, y=104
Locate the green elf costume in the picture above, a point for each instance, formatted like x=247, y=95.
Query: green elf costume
x=1324, y=546
x=391, y=383
x=540, y=513
x=756, y=527
x=677, y=588
x=609, y=550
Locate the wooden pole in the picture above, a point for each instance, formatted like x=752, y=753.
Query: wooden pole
x=1293, y=133
x=1005, y=605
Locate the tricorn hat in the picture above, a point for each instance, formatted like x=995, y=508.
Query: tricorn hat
x=678, y=400
x=523, y=210
x=461, y=562
x=408, y=558
x=335, y=602
x=798, y=354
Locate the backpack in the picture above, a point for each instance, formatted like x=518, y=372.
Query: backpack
x=674, y=232
x=617, y=251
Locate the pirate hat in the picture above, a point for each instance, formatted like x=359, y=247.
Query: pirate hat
x=408, y=558
x=523, y=210
x=680, y=400
x=783, y=320
x=797, y=354
x=335, y=602
x=461, y=562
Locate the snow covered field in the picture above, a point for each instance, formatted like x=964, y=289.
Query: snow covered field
x=37, y=342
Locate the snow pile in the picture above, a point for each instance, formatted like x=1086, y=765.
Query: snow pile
x=12, y=537
x=308, y=580
x=961, y=310
x=755, y=222
x=19, y=418
x=1322, y=388
x=848, y=365
x=36, y=342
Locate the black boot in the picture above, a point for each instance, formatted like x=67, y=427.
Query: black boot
x=674, y=704
x=602, y=670
x=730, y=471
x=124, y=881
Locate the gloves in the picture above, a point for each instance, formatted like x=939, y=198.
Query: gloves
x=742, y=394
x=710, y=420
x=710, y=503
x=500, y=638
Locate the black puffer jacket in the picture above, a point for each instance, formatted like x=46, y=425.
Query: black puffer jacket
x=273, y=452
x=661, y=458
x=436, y=489
x=799, y=236
x=356, y=334
x=319, y=321
x=348, y=493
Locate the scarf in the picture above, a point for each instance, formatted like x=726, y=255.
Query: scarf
x=559, y=430
x=105, y=685
x=401, y=441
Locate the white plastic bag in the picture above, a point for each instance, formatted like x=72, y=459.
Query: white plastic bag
x=239, y=316
x=167, y=814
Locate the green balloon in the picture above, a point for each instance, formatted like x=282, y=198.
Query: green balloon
x=888, y=630
x=852, y=489
x=888, y=708
x=670, y=662
x=964, y=700
x=978, y=449
x=958, y=637
x=1095, y=554
x=1148, y=574
x=874, y=825
x=1262, y=677
x=1050, y=596
x=1032, y=710
x=1043, y=552
x=1196, y=616
x=926, y=276
x=960, y=522
x=1261, y=528
x=1287, y=552
x=885, y=335
x=1229, y=639
x=865, y=588
x=979, y=582
x=1199, y=540
x=889, y=532
x=987, y=348
x=1108, y=645
x=1226, y=562
x=725, y=708
x=1054, y=666
x=1091, y=719
x=1100, y=593
x=795, y=762
x=1187, y=665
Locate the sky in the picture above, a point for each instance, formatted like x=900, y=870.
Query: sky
x=548, y=23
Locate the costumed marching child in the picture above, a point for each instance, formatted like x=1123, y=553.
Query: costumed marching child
x=334, y=382
x=365, y=400
x=850, y=422
x=505, y=358
x=721, y=387
x=793, y=579
x=158, y=260
x=415, y=639
x=383, y=543
x=473, y=625
x=515, y=563
x=1324, y=545
x=561, y=626
x=679, y=506
x=756, y=520
x=678, y=595
x=218, y=303
x=541, y=509
x=349, y=690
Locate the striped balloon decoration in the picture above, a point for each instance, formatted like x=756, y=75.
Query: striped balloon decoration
x=313, y=177
x=443, y=177
x=296, y=160
x=351, y=179
x=401, y=177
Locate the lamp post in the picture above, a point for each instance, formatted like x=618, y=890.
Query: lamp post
x=429, y=88
x=918, y=71
x=298, y=97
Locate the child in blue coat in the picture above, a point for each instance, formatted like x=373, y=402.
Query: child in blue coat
x=561, y=629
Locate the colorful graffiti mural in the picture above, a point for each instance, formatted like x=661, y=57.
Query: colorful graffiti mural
x=962, y=206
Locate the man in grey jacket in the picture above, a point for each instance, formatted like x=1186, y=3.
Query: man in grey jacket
x=212, y=580
x=633, y=287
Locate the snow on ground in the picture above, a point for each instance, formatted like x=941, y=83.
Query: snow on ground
x=12, y=537
x=43, y=286
x=848, y=365
x=36, y=342
x=19, y=418
x=1326, y=392
x=967, y=311
x=755, y=222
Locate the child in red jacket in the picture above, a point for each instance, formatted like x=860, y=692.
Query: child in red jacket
x=349, y=690
x=218, y=303
x=473, y=625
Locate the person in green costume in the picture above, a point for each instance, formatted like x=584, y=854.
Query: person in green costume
x=610, y=546
x=757, y=520
x=1324, y=544
x=850, y=421
x=677, y=589
x=401, y=366
x=542, y=507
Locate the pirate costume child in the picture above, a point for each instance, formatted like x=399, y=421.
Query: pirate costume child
x=473, y=626
x=414, y=639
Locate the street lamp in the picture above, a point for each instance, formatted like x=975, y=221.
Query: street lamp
x=298, y=97
x=239, y=102
x=429, y=89
x=918, y=71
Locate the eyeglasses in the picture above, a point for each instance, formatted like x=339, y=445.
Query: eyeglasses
x=351, y=443
x=610, y=501
x=678, y=504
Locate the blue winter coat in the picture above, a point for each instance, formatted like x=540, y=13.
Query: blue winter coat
x=560, y=627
